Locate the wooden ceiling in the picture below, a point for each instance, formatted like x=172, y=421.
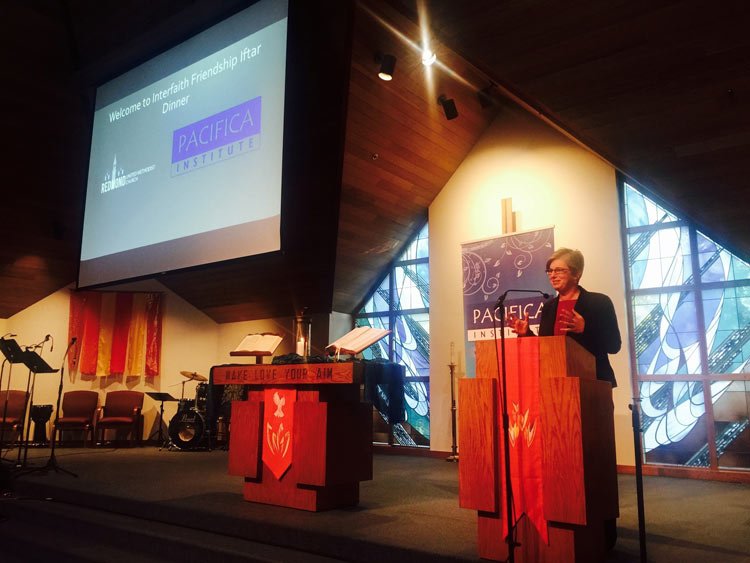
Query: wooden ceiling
x=661, y=90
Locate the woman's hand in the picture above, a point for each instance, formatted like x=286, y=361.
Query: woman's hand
x=572, y=321
x=519, y=325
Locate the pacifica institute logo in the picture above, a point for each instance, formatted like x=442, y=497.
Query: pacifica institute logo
x=117, y=178
x=221, y=136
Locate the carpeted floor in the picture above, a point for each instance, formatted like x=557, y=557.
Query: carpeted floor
x=408, y=512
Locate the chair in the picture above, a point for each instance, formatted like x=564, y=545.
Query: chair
x=122, y=409
x=78, y=413
x=15, y=412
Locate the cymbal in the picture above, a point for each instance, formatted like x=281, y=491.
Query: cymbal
x=194, y=375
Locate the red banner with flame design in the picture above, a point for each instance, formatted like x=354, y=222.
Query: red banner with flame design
x=525, y=432
x=278, y=429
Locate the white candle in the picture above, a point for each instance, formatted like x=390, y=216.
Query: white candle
x=301, y=347
x=452, y=347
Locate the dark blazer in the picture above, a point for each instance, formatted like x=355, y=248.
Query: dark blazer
x=600, y=336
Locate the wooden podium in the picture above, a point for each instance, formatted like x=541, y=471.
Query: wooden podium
x=576, y=431
x=332, y=434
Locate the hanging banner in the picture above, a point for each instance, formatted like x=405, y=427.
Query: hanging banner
x=278, y=429
x=118, y=333
x=493, y=266
x=524, y=414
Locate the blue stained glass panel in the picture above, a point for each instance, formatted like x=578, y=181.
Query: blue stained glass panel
x=718, y=264
x=666, y=333
x=727, y=315
x=409, y=342
x=659, y=258
x=419, y=247
x=732, y=425
x=379, y=301
x=640, y=211
x=671, y=338
x=670, y=412
x=412, y=344
x=412, y=289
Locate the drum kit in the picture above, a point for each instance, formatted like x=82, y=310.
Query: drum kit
x=187, y=429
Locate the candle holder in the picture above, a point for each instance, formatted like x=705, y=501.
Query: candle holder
x=302, y=332
x=454, y=446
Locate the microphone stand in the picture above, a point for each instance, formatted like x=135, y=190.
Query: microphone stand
x=636, y=417
x=52, y=461
x=502, y=369
x=510, y=524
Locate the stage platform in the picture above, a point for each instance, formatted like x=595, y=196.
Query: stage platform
x=408, y=512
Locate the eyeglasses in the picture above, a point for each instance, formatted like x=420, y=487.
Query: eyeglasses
x=555, y=271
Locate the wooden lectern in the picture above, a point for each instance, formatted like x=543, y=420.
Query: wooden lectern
x=576, y=431
x=332, y=434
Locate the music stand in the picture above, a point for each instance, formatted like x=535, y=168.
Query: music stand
x=160, y=397
x=36, y=364
x=52, y=461
x=13, y=354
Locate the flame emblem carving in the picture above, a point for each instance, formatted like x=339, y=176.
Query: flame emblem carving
x=520, y=426
x=278, y=441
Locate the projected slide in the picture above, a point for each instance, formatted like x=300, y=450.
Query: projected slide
x=186, y=153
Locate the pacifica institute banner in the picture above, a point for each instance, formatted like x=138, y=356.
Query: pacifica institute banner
x=493, y=266
x=118, y=333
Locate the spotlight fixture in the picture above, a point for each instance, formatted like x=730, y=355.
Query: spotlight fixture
x=428, y=56
x=449, y=107
x=387, y=66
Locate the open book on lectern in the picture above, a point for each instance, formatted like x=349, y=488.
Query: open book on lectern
x=357, y=340
x=260, y=344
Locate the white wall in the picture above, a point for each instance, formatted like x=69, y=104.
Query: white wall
x=552, y=182
x=189, y=343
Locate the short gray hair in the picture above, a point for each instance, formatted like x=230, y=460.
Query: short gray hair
x=573, y=258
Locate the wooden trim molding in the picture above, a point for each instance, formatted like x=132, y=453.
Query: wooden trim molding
x=727, y=476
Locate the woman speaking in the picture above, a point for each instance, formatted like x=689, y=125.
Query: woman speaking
x=588, y=318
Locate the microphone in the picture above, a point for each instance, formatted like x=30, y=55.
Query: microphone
x=52, y=345
x=501, y=299
x=40, y=344
x=9, y=334
x=72, y=341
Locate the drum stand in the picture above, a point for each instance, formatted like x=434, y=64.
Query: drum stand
x=160, y=438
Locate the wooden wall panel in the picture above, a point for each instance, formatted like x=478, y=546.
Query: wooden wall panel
x=478, y=444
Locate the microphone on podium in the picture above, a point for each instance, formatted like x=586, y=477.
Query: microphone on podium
x=501, y=299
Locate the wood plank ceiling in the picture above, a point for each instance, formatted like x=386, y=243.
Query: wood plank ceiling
x=661, y=90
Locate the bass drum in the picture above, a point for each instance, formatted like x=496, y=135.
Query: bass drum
x=187, y=430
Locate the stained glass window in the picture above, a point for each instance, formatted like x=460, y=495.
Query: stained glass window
x=401, y=303
x=689, y=303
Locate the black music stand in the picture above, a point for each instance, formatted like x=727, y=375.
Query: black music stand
x=36, y=364
x=52, y=461
x=161, y=397
x=13, y=355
